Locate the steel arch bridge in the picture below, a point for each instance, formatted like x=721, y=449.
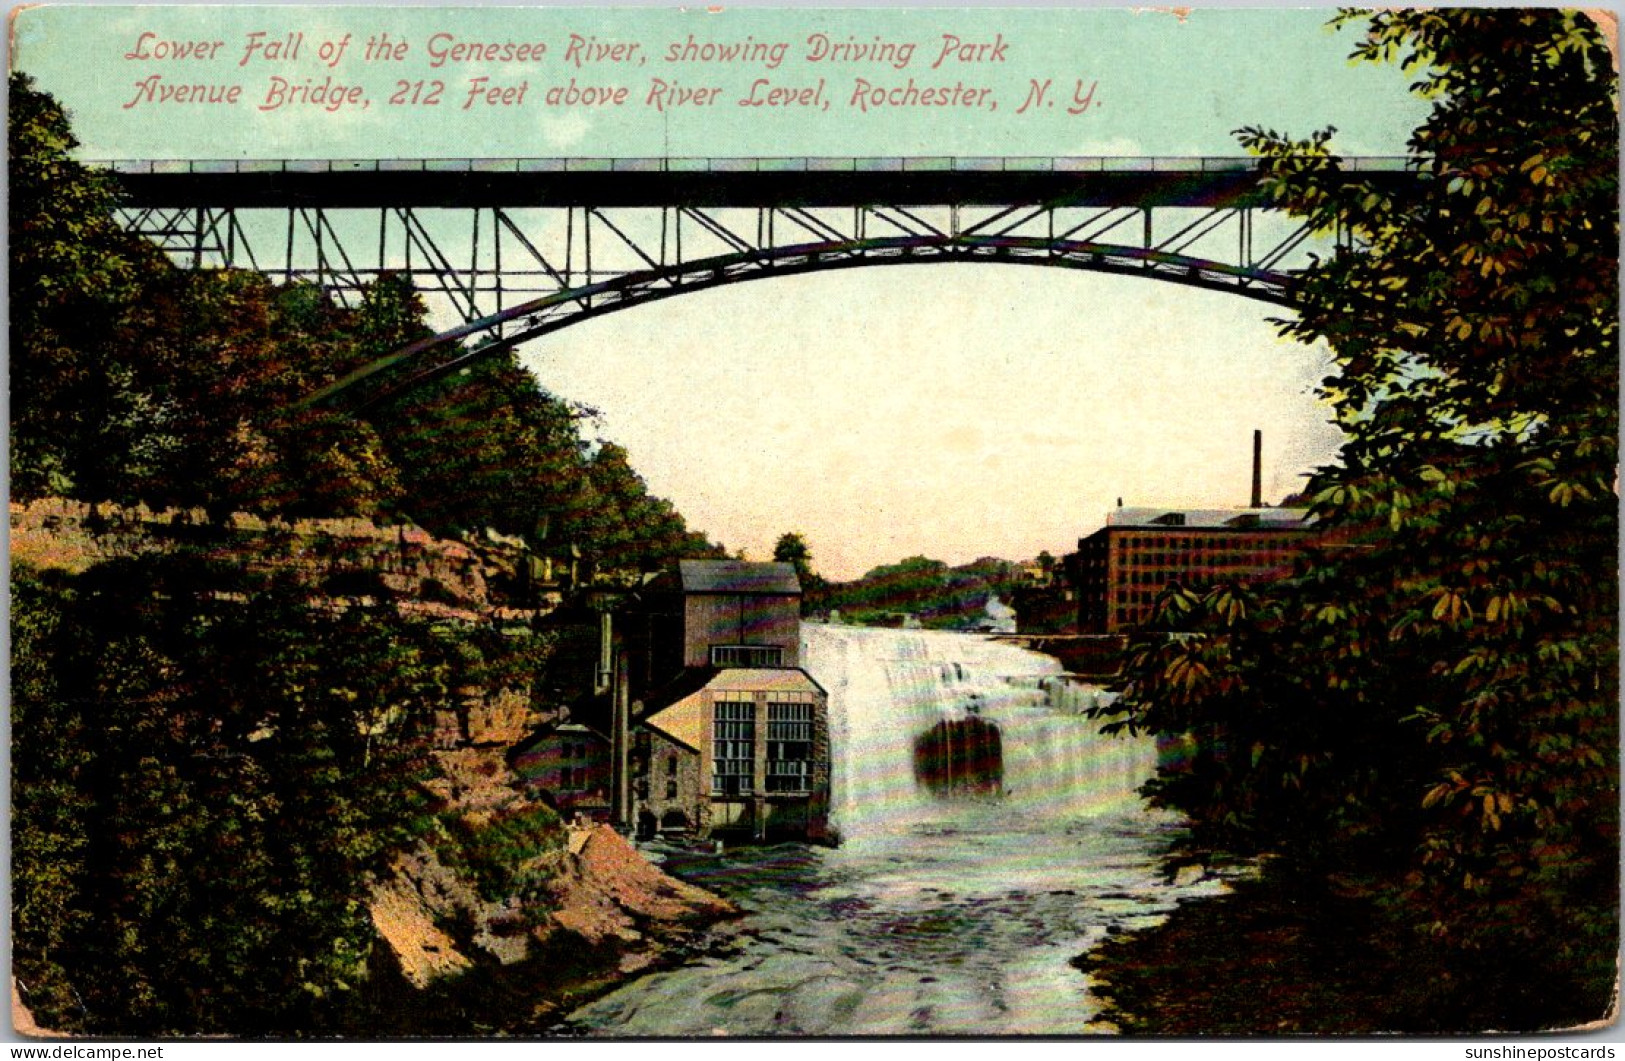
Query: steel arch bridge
x=517, y=248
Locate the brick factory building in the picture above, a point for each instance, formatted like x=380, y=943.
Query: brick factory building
x=1122, y=567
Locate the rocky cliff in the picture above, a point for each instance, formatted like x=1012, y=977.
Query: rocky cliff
x=501, y=916
x=425, y=575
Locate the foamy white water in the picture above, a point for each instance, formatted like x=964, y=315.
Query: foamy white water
x=888, y=687
x=936, y=915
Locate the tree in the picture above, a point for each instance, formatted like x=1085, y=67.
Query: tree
x=791, y=548
x=133, y=380
x=1426, y=713
x=76, y=278
x=211, y=763
x=50, y=805
x=211, y=771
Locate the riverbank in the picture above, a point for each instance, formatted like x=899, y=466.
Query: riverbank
x=616, y=917
x=1259, y=960
x=1275, y=958
x=613, y=917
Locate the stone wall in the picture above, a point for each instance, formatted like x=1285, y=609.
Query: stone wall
x=671, y=783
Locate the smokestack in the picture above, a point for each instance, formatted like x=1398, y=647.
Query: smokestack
x=1258, y=468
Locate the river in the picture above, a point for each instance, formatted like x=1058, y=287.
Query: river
x=989, y=835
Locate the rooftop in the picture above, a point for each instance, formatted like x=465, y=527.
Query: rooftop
x=676, y=711
x=1209, y=518
x=737, y=576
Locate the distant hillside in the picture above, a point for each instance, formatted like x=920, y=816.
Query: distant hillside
x=938, y=596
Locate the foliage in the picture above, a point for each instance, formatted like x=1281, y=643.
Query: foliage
x=938, y=595
x=483, y=448
x=49, y=803
x=507, y=856
x=792, y=548
x=1046, y=604
x=219, y=768
x=75, y=283
x=211, y=768
x=212, y=763
x=633, y=532
x=1425, y=713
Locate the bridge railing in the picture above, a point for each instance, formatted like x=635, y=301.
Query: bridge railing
x=854, y=164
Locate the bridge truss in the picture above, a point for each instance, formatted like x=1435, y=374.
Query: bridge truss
x=506, y=250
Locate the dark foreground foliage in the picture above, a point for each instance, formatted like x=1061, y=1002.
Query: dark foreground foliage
x=1425, y=716
x=1282, y=957
x=207, y=772
x=939, y=596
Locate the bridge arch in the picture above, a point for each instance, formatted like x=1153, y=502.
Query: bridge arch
x=550, y=313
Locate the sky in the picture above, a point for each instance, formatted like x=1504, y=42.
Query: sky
x=949, y=411
x=952, y=411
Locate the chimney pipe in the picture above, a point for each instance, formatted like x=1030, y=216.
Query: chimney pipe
x=1258, y=468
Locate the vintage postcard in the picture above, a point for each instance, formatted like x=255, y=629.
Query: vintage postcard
x=670, y=522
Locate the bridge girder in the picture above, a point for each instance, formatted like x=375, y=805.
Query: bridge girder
x=514, y=249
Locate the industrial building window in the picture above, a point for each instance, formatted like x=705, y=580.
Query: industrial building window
x=789, y=747
x=733, y=752
x=747, y=656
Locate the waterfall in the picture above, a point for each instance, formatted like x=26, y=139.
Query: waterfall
x=927, y=725
x=989, y=835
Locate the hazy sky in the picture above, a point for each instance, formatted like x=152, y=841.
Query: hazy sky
x=947, y=410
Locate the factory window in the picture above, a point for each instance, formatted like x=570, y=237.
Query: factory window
x=747, y=656
x=734, y=749
x=789, y=747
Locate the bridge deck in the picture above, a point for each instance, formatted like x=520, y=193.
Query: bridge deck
x=713, y=182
